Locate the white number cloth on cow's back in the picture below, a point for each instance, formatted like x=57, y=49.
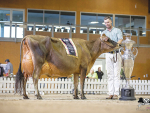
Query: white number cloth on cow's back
x=69, y=46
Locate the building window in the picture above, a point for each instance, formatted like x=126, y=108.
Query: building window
x=51, y=17
x=4, y=28
x=14, y=16
x=88, y=19
x=122, y=21
x=67, y=18
x=91, y=20
x=35, y=16
x=138, y=22
x=59, y=19
x=4, y=15
x=17, y=16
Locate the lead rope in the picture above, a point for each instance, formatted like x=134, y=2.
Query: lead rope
x=114, y=58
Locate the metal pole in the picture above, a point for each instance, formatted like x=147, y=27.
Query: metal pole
x=52, y=30
x=138, y=38
x=10, y=28
x=70, y=33
x=87, y=33
x=15, y=32
x=34, y=29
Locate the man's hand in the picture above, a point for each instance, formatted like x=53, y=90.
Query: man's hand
x=8, y=71
x=119, y=42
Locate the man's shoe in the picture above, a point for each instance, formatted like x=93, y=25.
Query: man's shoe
x=110, y=97
x=115, y=97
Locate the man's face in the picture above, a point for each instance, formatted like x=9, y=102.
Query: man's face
x=108, y=23
x=6, y=62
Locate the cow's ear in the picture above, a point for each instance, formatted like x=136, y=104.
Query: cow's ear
x=55, y=40
x=104, y=35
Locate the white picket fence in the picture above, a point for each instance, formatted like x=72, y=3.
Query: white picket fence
x=57, y=86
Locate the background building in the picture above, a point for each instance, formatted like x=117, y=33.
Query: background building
x=76, y=19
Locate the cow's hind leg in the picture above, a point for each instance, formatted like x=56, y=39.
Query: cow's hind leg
x=76, y=80
x=24, y=89
x=82, y=80
x=35, y=81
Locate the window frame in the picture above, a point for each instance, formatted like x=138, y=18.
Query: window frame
x=96, y=18
x=51, y=10
x=130, y=22
x=10, y=38
x=113, y=16
x=59, y=17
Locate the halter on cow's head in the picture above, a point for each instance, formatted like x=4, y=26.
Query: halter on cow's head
x=106, y=42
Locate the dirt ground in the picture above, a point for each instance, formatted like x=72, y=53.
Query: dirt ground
x=64, y=103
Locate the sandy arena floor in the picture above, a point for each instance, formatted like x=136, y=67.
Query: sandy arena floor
x=64, y=103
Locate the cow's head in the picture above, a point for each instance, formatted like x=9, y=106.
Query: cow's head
x=107, y=44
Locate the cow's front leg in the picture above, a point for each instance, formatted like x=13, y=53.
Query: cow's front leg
x=82, y=80
x=76, y=80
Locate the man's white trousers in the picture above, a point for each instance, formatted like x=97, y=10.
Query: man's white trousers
x=113, y=72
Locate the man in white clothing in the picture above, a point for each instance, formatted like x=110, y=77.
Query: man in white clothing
x=113, y=60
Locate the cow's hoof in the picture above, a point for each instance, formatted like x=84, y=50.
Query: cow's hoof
x=39, y=97
x=76, y=97
x=25, y=97
x=83, y=98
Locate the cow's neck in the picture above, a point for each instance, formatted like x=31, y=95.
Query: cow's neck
x=94, y=48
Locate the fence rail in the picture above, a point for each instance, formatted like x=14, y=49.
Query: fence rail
x=57, y=86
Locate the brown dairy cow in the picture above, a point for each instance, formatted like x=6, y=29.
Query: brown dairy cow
x=45, y=55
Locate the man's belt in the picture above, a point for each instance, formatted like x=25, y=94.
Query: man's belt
x=112, y=52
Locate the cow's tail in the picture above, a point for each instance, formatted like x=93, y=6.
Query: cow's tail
x=19, y=81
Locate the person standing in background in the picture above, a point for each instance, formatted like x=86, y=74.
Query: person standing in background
x=92, y=74
x=9, y=67
x=1, y=71
x=99, y=73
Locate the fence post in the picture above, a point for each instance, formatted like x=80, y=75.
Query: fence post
x=11, y=87
x=145, y=86
x=55, y=85
x=59, y=82
x=45, y=87
x=49, y=85
x=52, y=86
x=142, y=86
